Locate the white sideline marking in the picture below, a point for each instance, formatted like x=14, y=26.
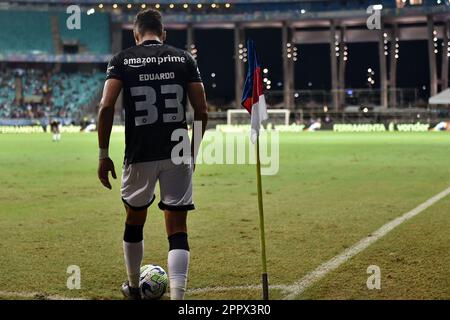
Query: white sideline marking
x=302, y=284
x=312, y=277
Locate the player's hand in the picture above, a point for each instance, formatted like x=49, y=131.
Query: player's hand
x=104, y=166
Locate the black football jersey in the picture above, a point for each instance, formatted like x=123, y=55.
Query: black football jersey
x=154, y=78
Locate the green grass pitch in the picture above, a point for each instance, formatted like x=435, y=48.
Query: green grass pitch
x=331, y=191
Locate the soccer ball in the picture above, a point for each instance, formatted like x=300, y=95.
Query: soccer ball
x=153, y=282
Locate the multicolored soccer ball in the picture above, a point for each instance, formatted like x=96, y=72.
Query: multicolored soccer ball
x=153, y=282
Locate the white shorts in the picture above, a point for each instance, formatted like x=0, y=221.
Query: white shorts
x=175, y=184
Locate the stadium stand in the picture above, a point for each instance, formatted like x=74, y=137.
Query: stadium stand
x=31, y=32
x=70, y=92
x=32, y=36
x=7, y=92
x=90, y=41
x=32, y=93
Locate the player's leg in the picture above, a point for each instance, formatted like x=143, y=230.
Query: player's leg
x=176, y=199
x=138, y=186
x=133, y=244
x=178, y=257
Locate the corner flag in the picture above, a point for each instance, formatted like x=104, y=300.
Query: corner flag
x=253, y=97
x=253, y=100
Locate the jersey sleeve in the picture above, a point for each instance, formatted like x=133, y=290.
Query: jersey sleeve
x=192, y=69
x=114, y=69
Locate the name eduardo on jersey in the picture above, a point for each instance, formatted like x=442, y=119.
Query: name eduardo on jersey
x=154, y=79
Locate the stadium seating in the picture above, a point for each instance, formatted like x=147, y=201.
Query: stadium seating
x=25, y=31
x=7, y=92
x=72, y=91
x=69, y=93
x=93, y=34
x=31, y=32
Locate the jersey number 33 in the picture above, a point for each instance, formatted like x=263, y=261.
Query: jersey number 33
x=149, y=104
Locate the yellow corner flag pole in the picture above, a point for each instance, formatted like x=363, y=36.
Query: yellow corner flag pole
x=265, y=280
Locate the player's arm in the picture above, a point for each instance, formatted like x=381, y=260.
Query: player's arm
x=197, y=97
x=111, y=91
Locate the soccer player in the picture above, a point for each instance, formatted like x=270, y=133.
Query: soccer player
x=54, y=127
x=156, y=80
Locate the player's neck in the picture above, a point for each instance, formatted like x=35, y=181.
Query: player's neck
x=150, y=37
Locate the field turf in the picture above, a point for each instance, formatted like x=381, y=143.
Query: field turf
x=332, y=190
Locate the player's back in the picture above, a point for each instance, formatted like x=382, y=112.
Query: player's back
x=154, y=78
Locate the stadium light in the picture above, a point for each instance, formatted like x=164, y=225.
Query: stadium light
x=143, y=6
x=100, y=5
x=185, y=6
x=213, y=5
x=171, y=6
x=157, y=6
x=129, y=6
x=227, y=5
x=213, y=75
x=115, y=6
x=199, y=5
x=90, y=11
x=303, y=11
x=194, y=51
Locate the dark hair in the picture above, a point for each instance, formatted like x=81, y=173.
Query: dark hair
x=149, y=20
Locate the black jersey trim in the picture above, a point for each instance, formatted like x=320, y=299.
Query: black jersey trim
x=139, y=208
x=151, y=42
x=186, y=207
x=127, y=161
x=113, y=76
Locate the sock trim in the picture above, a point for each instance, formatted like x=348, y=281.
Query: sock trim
x=133, y=234
x=178, y=240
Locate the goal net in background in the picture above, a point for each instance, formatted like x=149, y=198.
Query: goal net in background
x=242, y=117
